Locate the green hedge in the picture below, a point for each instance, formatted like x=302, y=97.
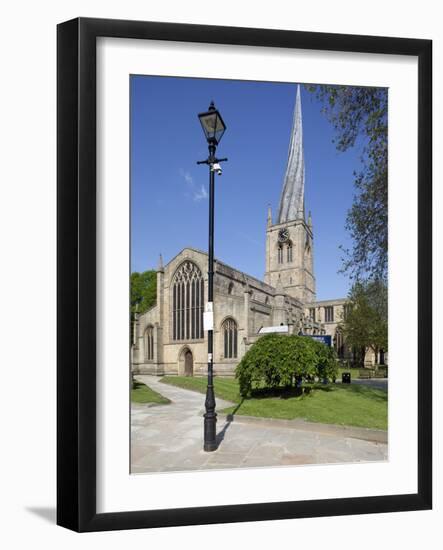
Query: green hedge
x=278, y=360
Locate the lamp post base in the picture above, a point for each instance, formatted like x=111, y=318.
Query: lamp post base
x=209, y=447
x=210, y=432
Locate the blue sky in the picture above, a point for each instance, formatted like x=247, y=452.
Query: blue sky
x=169, y=192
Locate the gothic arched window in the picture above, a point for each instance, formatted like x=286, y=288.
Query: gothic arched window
x=289, y=252
x=229, y=329
x=280, y=254
x=149, y=343
x=187, y=303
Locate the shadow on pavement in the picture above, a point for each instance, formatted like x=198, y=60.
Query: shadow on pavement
x=229, y=419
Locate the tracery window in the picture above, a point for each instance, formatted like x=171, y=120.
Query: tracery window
x=229, y=329
x=280, y=254
x=187, y=303
x=149, y=343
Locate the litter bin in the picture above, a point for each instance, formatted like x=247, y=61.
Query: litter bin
x=346, y=378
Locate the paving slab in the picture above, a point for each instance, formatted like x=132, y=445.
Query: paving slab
x=170, y=438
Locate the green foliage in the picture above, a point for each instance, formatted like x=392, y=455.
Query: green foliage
x=143, y=294
x=327, y=363
x=277, y=360
x=143, y=290
x=359, y=115
x=366, y=323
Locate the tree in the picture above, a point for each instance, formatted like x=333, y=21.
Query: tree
x=277, y=360
x=366, y=322
x=360, y=115
x=143, y=294
x=143, y=290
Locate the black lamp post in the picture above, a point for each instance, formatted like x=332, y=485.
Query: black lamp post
x=213, y=128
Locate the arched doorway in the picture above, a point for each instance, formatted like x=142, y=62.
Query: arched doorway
x=186, y=363
x=189, y=363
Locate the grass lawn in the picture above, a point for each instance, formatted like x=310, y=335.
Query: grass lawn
x=142, y=393
x=225, y=388
x=349, y=405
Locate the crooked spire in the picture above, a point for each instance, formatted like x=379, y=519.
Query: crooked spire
x=292, y=201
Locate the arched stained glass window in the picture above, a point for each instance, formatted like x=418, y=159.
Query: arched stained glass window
x=149, y=343
x=187, y=303
x=229, y=329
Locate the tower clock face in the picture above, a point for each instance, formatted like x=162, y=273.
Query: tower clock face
x=283, y=235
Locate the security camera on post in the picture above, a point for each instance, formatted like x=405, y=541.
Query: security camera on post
x=216, y=168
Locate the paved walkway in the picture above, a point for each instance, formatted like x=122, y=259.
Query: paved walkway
x=169, y=438
x=381, y=383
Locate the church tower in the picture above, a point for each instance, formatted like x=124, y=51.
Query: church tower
x=289, y=241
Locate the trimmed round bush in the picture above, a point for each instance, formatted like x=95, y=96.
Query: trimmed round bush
x=278, y=360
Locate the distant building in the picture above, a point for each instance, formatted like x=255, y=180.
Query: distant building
x=169, y=338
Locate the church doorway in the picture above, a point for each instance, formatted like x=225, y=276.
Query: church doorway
x=186, y=363
x=189, y=363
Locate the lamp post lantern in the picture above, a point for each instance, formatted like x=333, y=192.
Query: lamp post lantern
x=213, y=128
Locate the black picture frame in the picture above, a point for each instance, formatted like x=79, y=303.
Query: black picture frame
x=76, y=264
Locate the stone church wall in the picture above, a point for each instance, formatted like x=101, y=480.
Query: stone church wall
x=246, y=300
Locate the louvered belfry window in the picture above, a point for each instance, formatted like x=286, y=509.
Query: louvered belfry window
x=289, y=252
x=187, y=303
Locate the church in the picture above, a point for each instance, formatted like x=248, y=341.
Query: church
x=169, y=338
